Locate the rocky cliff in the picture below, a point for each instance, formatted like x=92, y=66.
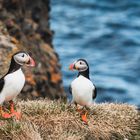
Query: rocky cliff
x=24, y=25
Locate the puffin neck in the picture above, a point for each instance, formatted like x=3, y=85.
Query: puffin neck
x=84, y=73
x=13, y=66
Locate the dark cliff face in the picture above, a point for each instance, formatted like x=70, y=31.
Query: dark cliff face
x=27, y=23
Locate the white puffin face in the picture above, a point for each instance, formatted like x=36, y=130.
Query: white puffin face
x=23, y=58
x=80, y=65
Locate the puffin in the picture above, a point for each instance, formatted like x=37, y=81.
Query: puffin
x=82, y=89
x=13, y=81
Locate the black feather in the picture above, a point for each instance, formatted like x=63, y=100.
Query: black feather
x=1, y=84
x=94, y=93
x=13, y=66
x=70, y=89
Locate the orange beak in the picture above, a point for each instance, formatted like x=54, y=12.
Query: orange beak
x=71, y=67
x=31, y=62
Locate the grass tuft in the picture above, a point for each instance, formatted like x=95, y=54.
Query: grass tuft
x=55, y=120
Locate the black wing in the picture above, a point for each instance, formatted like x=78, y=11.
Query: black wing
x=1, y=84
x=94, y=94
x=70, y=89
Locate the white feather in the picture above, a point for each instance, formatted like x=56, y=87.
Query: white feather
x=13, y=85
x=82, y=91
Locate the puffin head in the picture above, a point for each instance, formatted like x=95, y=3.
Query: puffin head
x=81, y=65
x=23, y=58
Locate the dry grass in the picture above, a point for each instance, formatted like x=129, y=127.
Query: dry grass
x=55, y=120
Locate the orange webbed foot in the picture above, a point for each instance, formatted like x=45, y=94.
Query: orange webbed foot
x=84, y=118
x=6, y=115
x=13, y=112
x=17, y=115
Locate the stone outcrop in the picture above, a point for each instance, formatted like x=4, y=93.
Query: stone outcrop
x=24, y=25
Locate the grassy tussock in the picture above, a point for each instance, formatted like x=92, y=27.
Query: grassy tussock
x=12, y=130
x=55, y=120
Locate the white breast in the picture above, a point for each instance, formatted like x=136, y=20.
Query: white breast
x=14, y=83
x=82, y=91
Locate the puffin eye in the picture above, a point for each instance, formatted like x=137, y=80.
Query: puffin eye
x=80, y=62
x=23, y=55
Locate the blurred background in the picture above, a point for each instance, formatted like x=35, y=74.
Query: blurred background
x=107, y=34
